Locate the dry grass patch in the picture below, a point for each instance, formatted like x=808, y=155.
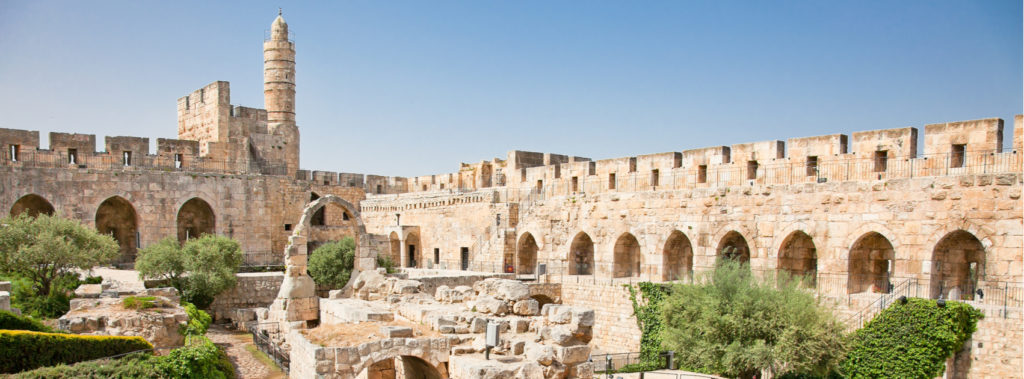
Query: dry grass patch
x=354, y=334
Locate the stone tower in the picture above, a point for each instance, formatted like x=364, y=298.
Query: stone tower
x=279, y=90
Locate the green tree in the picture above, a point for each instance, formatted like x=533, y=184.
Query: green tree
x=200, y=269
x=45, y=251
x=331, y=264
x=734, y=324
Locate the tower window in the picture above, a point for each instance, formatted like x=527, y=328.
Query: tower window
x=655, y=177
x=956, y=158
x=380, y=189
x=702, y=173
x=812, y=166
x=178, y=158
x=72, y=156
x=540, y=185
x=751, y=169
x=126, y=158
x=881, y=160
x=575, y=184
x=611, y=181
x=15, y=153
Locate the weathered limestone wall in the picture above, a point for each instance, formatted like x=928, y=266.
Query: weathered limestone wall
x=254, y=209
x=994, y=351
x=615, y=328
x=253, y=290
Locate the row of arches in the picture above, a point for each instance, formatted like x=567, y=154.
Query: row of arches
x=958, y=259
x=117, y=217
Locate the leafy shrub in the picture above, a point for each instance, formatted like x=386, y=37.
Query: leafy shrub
x=25, y=295
x=386, y=262
x=11, y=321
x=911, y=340
x=198, y=321
x=25, y=350
x=139, y=302
x=199, y=270
x=201, y=359
x=93, y=280
x=647, y=311
x=331, y=264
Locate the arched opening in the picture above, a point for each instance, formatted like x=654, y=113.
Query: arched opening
x=798, y=256
x=677, y=257
x=396, y=249
x=733, y=246
x=581, y=255
x=871, y=261
x=405, y=367
x=958, y=262
x=195, y=218
x=543, y=299
x=526, y=254
x=320, y=216
x=33, y=204
x=626, y=257
x=116, y=217
x=412, y=250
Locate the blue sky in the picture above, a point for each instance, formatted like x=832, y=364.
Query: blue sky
x=415, y=87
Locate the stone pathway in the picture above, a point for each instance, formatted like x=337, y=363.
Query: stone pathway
x=234, y=344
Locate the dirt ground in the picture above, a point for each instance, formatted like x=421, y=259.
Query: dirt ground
x=247, y=364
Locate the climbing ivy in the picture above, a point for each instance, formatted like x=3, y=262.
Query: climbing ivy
x=647, y=310
x=911, y=340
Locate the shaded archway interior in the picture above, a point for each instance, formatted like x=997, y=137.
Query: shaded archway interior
x=626, y=257
x=195, y=218
x=395, y=250
x=677, y=257
x=798, y=255
x=958, y=263
x=412, y=250
x=871, y=264
x=319, y=217
x=404, y=367
x=33, y=204
x=733, y=246
x=116, y=217
x=581, y=255
x=526, y=254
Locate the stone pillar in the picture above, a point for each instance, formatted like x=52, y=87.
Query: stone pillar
x=296, y=303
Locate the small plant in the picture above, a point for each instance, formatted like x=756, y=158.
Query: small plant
x=386, y=262
x=139, y=302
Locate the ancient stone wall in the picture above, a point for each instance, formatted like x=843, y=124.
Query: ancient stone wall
x=253, y=290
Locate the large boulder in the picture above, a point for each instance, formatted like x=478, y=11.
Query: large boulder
x=528, y=307
x=159, y=324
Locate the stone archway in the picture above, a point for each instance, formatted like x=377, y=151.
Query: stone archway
x=798, y=256
x=195, y=218
x=677, y=257
x=32, y=204
x=870, y=264
x=394, y=248
x=412, y=250
x=117, y=217
x=958, y=263
x=526, y=254
x=626, y=257
x=733, y=246
x=403, y=366
x=320, y=217
x=581, y=255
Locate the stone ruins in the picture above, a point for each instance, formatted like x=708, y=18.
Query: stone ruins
x=539, y=243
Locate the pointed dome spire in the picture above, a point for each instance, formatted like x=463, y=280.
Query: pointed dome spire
x=279, y=29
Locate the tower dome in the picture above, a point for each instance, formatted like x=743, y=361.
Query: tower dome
x=279, y=29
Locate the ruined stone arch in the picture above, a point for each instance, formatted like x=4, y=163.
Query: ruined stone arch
x=526, y=254
x=195, y=217
x=958, y=264
x=395, y=248
x=714, y=249
x=424, y=363
x=677, y=257
x=626, y=256
x=303, y=228
x=33, y=204
x=733, y=245
x=320, y=217
x=798, y=255
x=116, y=217
x=580, y=257
x=871, y=264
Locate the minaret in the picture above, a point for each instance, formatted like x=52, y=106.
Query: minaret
x=279, y=90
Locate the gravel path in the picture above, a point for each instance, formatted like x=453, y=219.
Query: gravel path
x=246, y=365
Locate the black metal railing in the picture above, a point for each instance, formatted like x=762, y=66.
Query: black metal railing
x=262, y=340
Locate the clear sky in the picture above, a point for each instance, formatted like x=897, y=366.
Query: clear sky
x=415, y=87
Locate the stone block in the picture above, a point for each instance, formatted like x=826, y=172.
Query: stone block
x=527, y=307
x=571, y=355
x=396, y=331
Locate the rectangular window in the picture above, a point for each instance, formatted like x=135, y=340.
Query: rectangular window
x=956, y=159
x=632, y=164
x=72, y=156
x=558, y=171
x=15, y=153
x=287, y=226
x=178, y=160
x=611, y=181
x=751, y=170
x=677, y=160
x=522, y=175
x=702, y=173
x=126, y=158
x=345, y=216
x=380, y=189
x=575, y=184
x=812, y=166
x=592, y=168
x=655, y=177
x=424, y=187
x=442, y=185
x=881, y=160
x=437, y=256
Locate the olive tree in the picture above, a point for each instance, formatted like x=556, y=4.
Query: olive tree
x=331, y=264
x=733, y=323
x=200, y=269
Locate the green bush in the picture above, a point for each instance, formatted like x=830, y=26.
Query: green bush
x=200, y=359
x=198, y=321
x=911, y=340
x=647, y=310
x=199, y=270
x=331, y=264
x=386, y=262
x=25, y=350
x=139, y=302
x=11, y=321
